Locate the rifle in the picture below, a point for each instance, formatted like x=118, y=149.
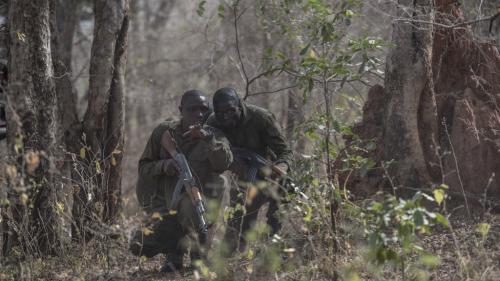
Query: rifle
x=186, y=181
x=256, y=162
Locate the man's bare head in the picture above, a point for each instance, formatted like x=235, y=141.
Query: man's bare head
x=227, y=107
x=194, y=108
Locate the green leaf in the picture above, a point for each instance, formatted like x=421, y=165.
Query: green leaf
x=442, y=220
x=315, y=182
x=483, y=229
x=349, y=13
x=443, y=186
x=221, y=10
x=201, y=8
x=418, y=218
x=310, y=85
x=250, y=254
x=305, y=49
x=371, y=146
x=439, y=195
x=82, y=152
x=352, y=276
x=308, y=213
x=430, y=260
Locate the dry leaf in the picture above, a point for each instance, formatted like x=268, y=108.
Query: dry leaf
x=11, y=171
x=113, y=160
x=251, y=193
x=156, y=216
x=23, y=198
x=147, y=231
x=32, y=160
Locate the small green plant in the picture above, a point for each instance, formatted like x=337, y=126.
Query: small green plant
x=393, y=228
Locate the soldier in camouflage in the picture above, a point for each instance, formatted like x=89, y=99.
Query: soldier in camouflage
x=252, y=128
x=208, y=154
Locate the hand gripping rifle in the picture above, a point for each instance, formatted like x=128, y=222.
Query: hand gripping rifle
x=186, y=181
x=253, y=162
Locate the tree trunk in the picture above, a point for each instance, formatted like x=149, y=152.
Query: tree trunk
x=3, y=158
x=116, y=126
x=103, y=123
x=32, y=124
x=64, y=25
x=407, y=84
x=64, y=20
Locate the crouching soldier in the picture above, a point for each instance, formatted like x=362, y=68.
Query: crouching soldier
x=254, y=136
x=172, y=229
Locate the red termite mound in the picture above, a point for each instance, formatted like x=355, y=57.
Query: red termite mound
x=458, y=116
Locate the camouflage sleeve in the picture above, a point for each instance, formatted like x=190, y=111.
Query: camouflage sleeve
x=211, y=121
x=151, y=162
x=219, y=151
x=276, y=141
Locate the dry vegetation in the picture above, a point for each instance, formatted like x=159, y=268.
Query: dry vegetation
x=175, y=47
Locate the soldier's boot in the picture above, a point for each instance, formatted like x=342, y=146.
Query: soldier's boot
x=272, y=218
x=173, y=262
x=196, y=259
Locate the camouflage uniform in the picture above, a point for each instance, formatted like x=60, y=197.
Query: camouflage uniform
x=207, y=158
x=259, y=132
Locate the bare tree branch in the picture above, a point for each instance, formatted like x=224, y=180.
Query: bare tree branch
x=236, y=17
x=460, y=24
x=273, y=91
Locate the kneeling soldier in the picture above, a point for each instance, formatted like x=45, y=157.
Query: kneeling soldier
x=172, y=228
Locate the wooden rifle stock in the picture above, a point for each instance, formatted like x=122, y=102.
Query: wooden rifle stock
x=188, y=181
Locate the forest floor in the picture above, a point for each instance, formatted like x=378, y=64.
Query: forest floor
x=462, y=251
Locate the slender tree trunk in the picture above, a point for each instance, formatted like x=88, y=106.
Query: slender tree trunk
x=104, y=120
x=3, y=149
x=116, y=126
x=65, y=20
x=32, y=125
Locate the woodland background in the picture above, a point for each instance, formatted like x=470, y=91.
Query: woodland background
x=391, y=108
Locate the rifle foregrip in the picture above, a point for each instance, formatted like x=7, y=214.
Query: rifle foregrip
x=202, y=225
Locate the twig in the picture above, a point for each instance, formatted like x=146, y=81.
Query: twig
x=273, y=91
x=236, y=17
x=471, y=22
x=357, y=92
x=456, y=166
x=270, y=71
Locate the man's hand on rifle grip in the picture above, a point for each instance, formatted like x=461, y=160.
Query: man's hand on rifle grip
x=281, y=169
x=197, y=132
x=170, y=167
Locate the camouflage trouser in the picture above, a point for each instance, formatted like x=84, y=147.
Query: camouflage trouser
x=240, y=223
x=171, y=234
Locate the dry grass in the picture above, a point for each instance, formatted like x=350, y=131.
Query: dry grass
x=464, y=254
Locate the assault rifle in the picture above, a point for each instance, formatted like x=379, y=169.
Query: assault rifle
x=187, y=182
x=251, y=163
